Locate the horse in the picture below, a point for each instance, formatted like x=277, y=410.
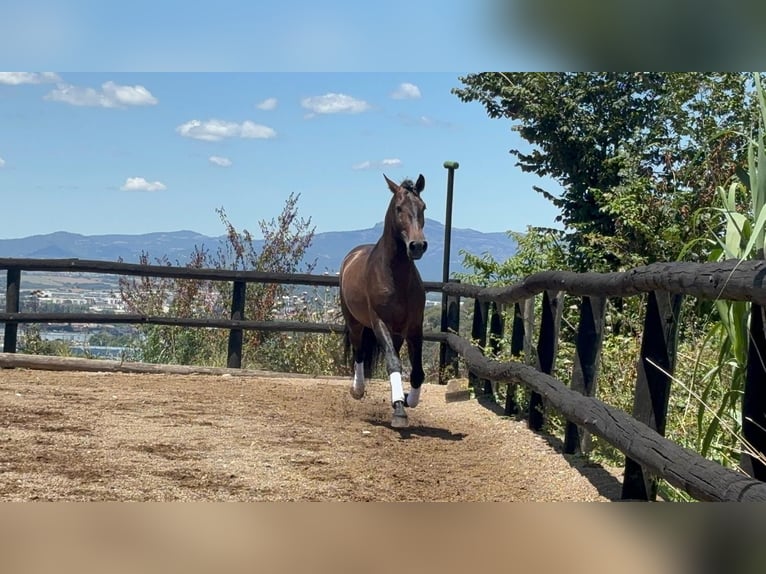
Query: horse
x=382, y=299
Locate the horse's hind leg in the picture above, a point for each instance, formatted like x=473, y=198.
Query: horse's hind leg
x=356, y=339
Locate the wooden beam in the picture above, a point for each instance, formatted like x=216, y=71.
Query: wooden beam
x=701, y=478
x=118, y=268
x=733, y=279
x=46, y=363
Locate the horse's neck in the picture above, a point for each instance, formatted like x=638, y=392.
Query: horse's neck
x=394, y=256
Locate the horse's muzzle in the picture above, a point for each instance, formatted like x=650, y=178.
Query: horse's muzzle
x=416, y=249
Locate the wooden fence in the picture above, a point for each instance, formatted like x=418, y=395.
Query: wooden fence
x=237, y=323
x=649, y=456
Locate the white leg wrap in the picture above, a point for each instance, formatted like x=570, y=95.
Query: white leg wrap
x=397, y=391
x=357, y=386
x=413, y=397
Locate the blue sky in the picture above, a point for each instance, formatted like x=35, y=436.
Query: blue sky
x=180, y=126
x=252, y=35
x=97, y=153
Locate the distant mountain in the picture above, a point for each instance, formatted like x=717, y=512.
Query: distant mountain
x=327, y=249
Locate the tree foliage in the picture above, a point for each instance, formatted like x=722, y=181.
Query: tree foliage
x=539, y=249
x=635, y=153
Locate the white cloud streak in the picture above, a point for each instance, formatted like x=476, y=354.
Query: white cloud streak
x=216, y=130
x=18, y=78
x=367, y=164
x=110, y=95
x=141, y=184
x=333, y=103
x=424, y=121
x=268, y=104
x=220, y=161
x=2, y=163
x=406, y=91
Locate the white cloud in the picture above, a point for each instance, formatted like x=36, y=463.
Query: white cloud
x=18, y=78
x=332, y=103
x=2, y=162
x=140, y=184
x=406, y=91
x=267, y=104
x=111, y=95
x=215, y=130
x=128, y=95
x=367, y=164
x=220, y=161
x=424, y=121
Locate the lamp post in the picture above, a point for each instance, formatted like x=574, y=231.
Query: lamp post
x=450, y=306
x=451, y=167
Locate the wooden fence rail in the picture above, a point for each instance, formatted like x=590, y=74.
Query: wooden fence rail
x=664, y=284
x=12, y=316
x=702, y=478
x=639, y=436
x=168, y=271
x=732, y=280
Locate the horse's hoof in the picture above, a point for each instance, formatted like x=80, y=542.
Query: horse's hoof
x=399, y=420
x=356, y=393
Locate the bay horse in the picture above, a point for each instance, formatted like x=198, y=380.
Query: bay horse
x=382, y=298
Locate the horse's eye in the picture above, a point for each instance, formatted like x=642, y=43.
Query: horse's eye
x=398, y=209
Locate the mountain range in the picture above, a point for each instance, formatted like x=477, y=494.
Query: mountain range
x=327, y=249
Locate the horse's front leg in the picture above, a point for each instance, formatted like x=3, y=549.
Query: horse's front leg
x=394, y=369
x=415, y=351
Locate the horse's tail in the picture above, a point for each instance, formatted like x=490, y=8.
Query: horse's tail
x=371, y=350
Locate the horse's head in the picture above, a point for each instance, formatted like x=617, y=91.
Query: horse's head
x=406, y=215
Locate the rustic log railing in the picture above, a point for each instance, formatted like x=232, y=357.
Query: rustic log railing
x=649, y=456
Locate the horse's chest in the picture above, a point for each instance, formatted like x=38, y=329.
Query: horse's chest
x=399, y=308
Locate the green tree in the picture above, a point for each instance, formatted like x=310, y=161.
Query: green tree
x=32, y=343
x=635, y=153
x=539, y=249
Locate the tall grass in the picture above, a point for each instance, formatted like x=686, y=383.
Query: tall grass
x=742, y=238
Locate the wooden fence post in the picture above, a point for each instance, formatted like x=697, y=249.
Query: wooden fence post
x=655, y=368
x=479, y=337
x=590, y=334
x=547, y=347
x=12, y=297
x=495, y=337
x=528, y=320
x=235, y=335
x=517, y=347
x=754, y=399
x=448, y=358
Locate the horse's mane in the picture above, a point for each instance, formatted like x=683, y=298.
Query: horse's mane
x=409, y=185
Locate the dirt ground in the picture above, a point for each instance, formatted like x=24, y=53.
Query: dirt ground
x=104, y=436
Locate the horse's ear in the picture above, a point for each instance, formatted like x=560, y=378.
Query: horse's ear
x=394, y=187
x=420, y=183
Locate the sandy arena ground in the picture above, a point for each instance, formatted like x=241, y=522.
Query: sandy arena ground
x=97, y=436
